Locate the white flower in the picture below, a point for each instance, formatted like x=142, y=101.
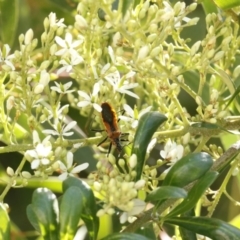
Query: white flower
x=5, y=58
x=54, y=22
x=68, y=64
x=172, y=152
x=56, y=113
x=69, y=169
x=134, y=115
x=43, y=82
x=42, y=152
x=121, y=84
x=67, y=44
x=89, y=99
x=138, y=207
x=62, y=88
x=64, y=131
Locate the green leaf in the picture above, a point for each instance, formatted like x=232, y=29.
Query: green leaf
x=42, y=213
x=209, y=7
x=89, y=211
x=210, y=227
x=147, y=126
x=223, y=4
x=70, y=211
x=9, y=12
x=5, y=223
x=125, y=236
x=166, y=192
x=186, y=234
x=188, y=169
x=194, y=194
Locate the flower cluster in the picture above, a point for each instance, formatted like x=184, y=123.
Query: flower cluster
x=118, y=190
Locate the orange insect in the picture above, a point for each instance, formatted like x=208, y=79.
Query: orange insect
x=110, y=121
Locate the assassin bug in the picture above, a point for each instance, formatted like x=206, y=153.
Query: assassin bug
x=110, y=121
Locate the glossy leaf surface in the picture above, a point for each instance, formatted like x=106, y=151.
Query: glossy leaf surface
x=42, y=213
x=147, y=126
x=188, y=169
x=194, y=194
x=166, y=192
x=88, y=215
x=210, y=227
x=70, y=212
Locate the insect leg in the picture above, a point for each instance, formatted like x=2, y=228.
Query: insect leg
x=109, y=149
x=98, y=130
x=102, y=141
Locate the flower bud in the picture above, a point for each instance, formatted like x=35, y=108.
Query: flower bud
x=28, y=36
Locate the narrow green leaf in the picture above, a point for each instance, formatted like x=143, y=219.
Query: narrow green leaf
x=88, y=214
x=194, y=194
x=5, y=223
x=44, y=210
x=210, y=227
x=9, y=12
x=147, y=126
x=125, y=236
x=70, y=211
x=186, y=234
x=166, y=192
x=188, y=169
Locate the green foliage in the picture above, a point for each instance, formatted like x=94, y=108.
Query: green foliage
x=148, y=124
x=175, y=77
x=55, y=220
x=194, y=166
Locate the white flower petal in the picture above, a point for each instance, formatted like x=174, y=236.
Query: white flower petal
x=60, y=52
x=128, y=110
x=84, y=95
x=105, y=68
x=128, y=93
x=45, y=161
x=60, y=42
x=67, y=134
x=129, y=86
x=97, y=107
x=69, y=160
x=69, y=126
x=139, y=207
x=63, y=176
x=83, y=104
x=144, y=111
x=35, y=164
x=68, y=38
x=130, y=74
x=123, y=217
x=49, y=131
x=96, y=89
x=62, y=166
x=80, y=168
